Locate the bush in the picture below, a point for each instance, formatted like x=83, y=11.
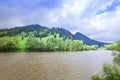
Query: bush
x=117, y=59
x=117, y=46
x=8, y=46
x=110, y=72
x=109, y=47
x=35, y=44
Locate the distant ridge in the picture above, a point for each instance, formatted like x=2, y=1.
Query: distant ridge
x=87, y=40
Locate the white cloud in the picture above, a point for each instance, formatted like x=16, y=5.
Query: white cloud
x=106, y=26
x=12, y=22
x=74, y=15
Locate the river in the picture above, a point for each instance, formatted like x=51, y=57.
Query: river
x=52, y=65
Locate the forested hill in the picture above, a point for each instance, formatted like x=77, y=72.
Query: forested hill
x=87, y=40
x=42, y=31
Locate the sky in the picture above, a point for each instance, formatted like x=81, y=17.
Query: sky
x=98, y=19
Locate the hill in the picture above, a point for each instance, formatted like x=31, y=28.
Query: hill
x=42, y=31
x=87, y=40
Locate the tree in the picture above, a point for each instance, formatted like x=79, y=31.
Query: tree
x=76, y=45
x=117, y=46
x=35, y=44
x=68, y=44
x=8, y=46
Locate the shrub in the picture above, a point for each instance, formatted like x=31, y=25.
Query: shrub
x=8, y=46
x=117, y=59
x=110, y=72
x=117, y=46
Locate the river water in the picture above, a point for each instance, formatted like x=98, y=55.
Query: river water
x=52, y=65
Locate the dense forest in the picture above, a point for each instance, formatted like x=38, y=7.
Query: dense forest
x=40, y=38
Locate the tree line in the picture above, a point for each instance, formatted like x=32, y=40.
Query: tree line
x=49, y=43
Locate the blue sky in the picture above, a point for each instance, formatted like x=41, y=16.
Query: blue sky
x=98, y=19
x=111, y=7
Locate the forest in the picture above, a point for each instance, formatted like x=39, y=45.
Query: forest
x=49, y=43
x=37, y=38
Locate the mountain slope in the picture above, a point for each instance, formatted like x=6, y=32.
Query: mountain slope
x=42, y=31
x=87, y=40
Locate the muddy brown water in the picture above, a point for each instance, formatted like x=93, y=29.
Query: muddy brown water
x=52, y=65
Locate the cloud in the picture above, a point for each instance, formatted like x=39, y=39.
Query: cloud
x=98, y=19
x=111, y=6
x=107, y=25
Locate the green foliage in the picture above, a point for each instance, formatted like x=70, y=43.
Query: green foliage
x=68, y=44
x=38, y=31
x=33, y=44
x=117, y=58
x=109, y=47
x=44, y=39
x=8, y=46
x=115, y=46
x=110, y=72
x=93, y=47
x=55, y=43
x=49, y=43
x=76, y=45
